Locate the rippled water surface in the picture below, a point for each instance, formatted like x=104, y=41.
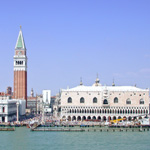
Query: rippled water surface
x=24, y=139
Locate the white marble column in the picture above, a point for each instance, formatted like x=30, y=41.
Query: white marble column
x=17, y=111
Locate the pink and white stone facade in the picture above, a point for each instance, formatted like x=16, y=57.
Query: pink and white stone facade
x=104, y=102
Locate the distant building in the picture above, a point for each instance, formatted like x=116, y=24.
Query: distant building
x=45, y=100
x=8, y=109
x=9, y=91
x=53, y=99
x=4, y=96
x=32, y=103
x=20, y=69
x=47, y=97
x=56, y=109
x=103, y=103
x=149, y=105
x=7, y=95
x=39, y=104
x=32, y=93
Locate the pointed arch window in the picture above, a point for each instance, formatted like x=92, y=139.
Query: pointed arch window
x=94, y=100
x=141, y=101
x=128, y=101
x=105, y=101
x=116, y=100
x=81, y=100
x=69, y=100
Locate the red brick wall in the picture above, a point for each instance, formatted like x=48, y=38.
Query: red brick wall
x=20, y=85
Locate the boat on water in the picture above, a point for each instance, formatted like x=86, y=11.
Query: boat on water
x=31, y=123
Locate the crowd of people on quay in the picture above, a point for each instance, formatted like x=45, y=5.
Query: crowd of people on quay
x=50, y=120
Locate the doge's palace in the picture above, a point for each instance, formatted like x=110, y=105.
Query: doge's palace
x=103, y=103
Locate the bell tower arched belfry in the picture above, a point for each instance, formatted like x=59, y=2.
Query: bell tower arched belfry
x=20, y=69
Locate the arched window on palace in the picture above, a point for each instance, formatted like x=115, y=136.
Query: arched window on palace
x=81, y=100
x=128, y=101
x=105, y=101
x=115, y=100
x=141, y=101
x=69, y=100
x=94, y=100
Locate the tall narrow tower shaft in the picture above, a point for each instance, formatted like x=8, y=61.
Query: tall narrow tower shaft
x=20, y=69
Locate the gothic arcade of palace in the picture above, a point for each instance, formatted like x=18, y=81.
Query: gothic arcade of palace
x=103, y=103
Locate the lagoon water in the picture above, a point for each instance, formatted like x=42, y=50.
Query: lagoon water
x=24, y=139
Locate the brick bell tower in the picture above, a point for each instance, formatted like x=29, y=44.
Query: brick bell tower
x=20, y=69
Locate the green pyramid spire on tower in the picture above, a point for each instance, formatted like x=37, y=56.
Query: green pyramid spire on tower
x=20, y=41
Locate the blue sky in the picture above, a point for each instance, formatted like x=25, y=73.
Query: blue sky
x=69, y=39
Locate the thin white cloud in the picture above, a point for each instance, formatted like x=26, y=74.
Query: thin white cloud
x=132, y=74
x=125, y=75
x=145, y=70
x=118, y=75
x=147, y=55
